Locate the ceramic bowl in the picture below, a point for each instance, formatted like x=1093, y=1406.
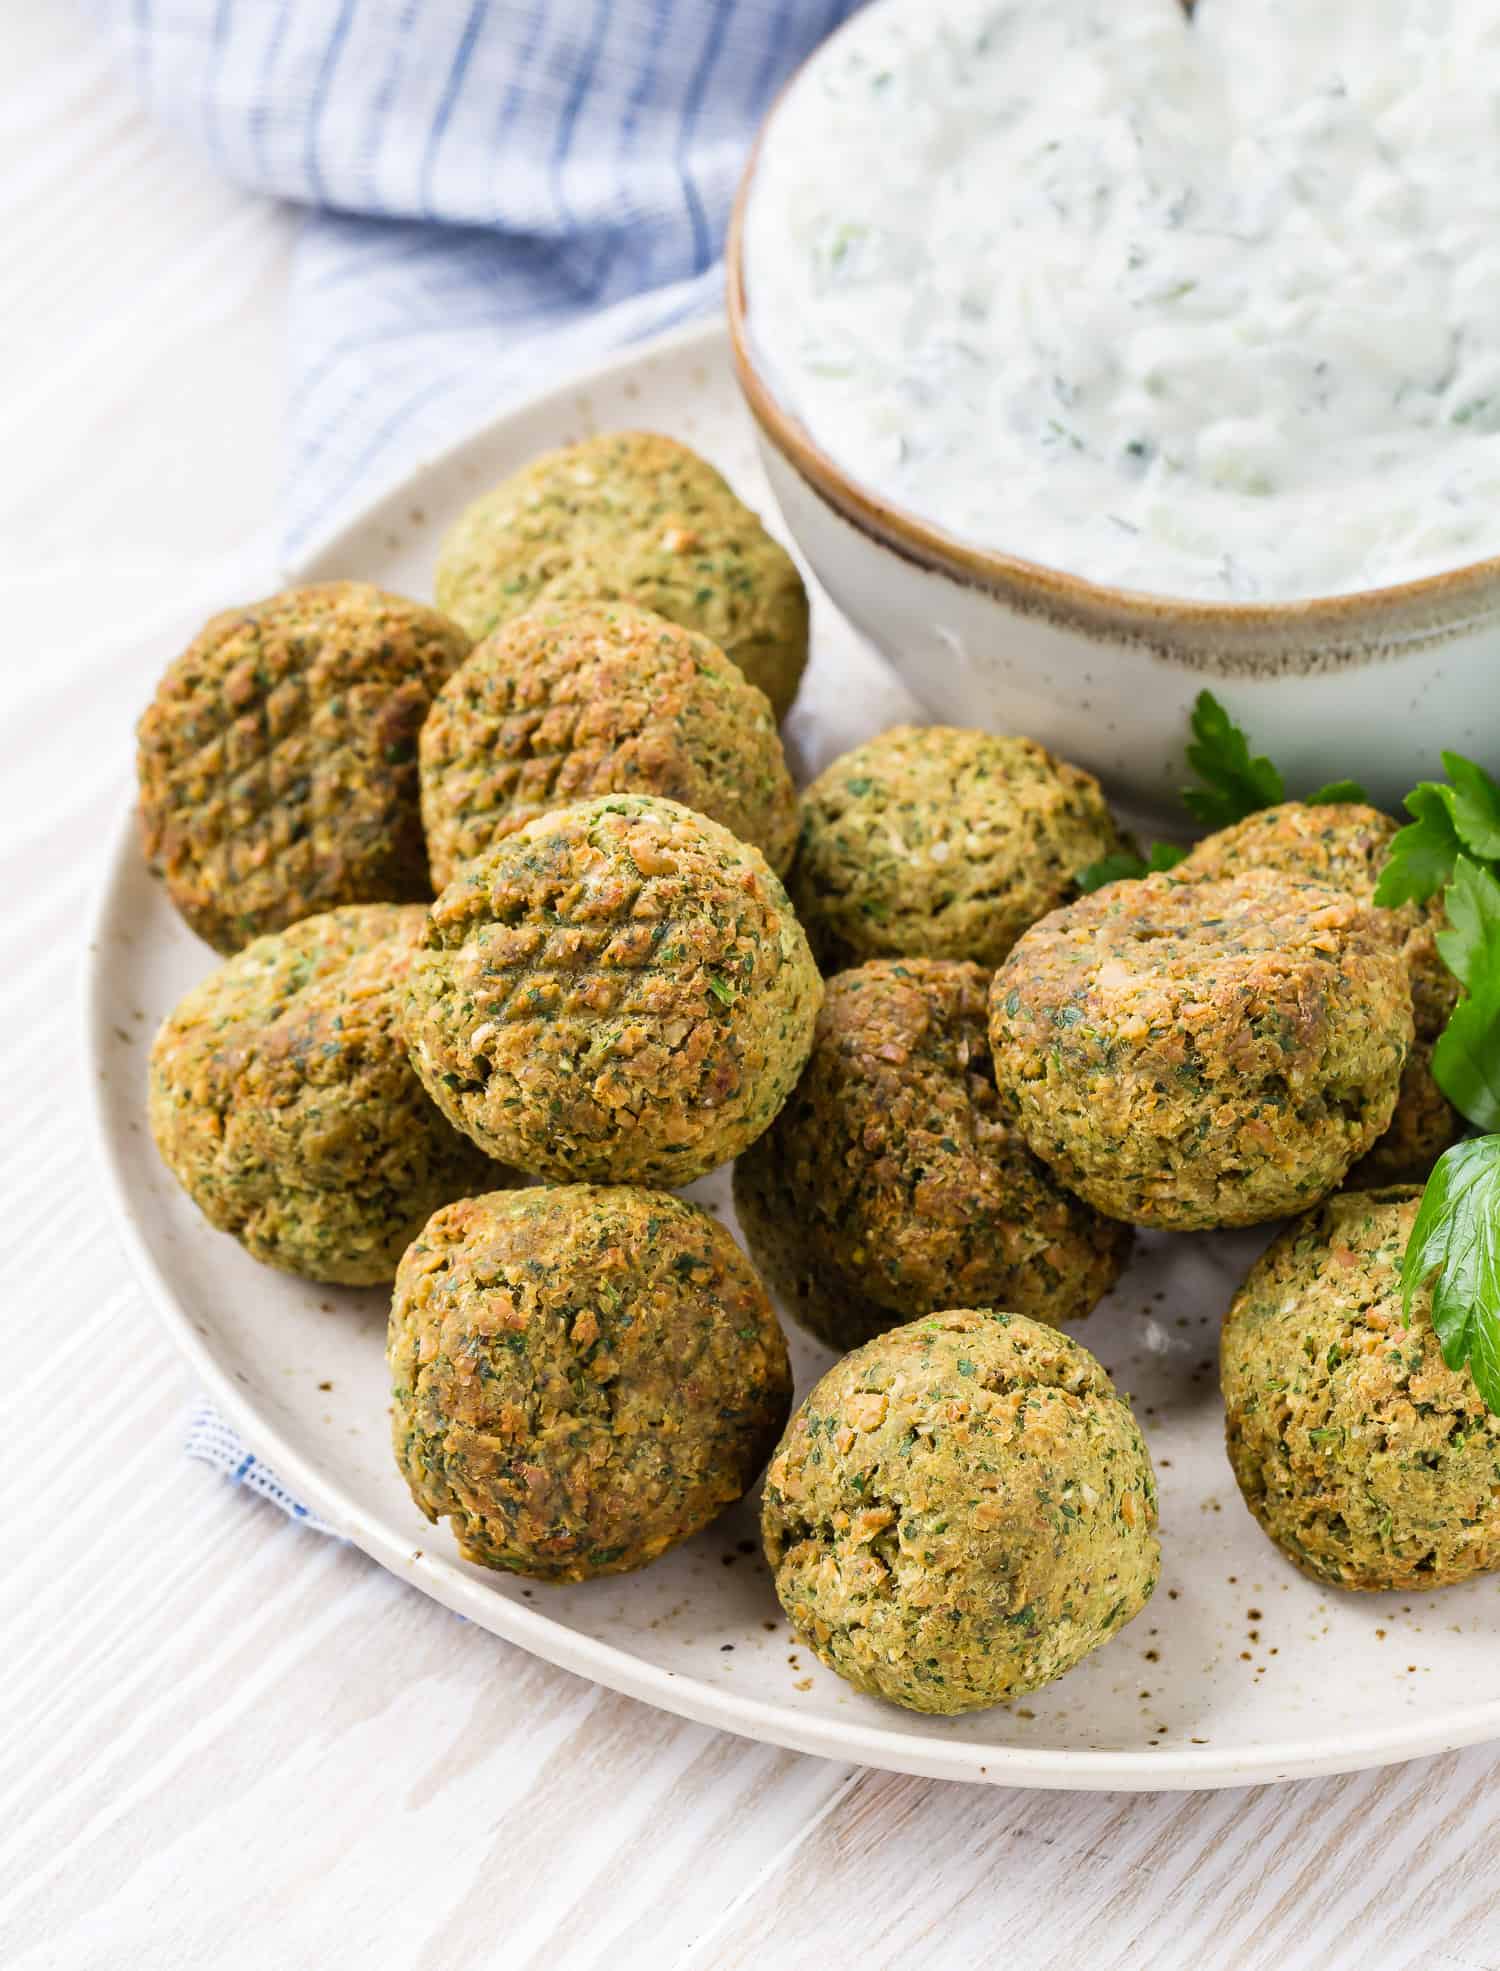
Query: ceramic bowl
x=1372, y=685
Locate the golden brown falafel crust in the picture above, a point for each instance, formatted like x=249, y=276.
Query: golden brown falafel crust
x=960, y=1511
x=1346, y=845
x=1424, y=1125
x=282, y=1100
x=581, y=1377
x=892, y=1184
x=1188, y=1055
x=1367, y=1460
x=936, y=841
x=618, y=992
x=563, y=704
x=631, y=516
x=278, y=760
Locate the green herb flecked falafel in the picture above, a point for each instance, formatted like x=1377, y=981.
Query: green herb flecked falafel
x=960, y=1511
x=1367, y=1460
x=631, y=516
x=582, y=1377
x=935, y=841
x=1345, y=844
x=618, y=992
x=563, y=704
x=1187, y=1055
x=892, y=1184
x=278, y=760
x=282, y=1100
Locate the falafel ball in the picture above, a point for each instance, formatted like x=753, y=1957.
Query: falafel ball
x=960, y=1511
x=581, y=1377
x=1186, y=1055
x=891, y=1184
x=618, y=992
x=631, y=516
x=935, y=841
x=562, y=704
x=1346, y=845
x=282, y=1100
x=278, y=761
x=1367, y=1460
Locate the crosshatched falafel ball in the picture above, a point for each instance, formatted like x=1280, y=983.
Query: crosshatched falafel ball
x=618, y=992
x=940, y=842
x=582, y=1377
x=1346, y=845
x=282, y=1100
x=630, y=516
x=891, y=1183
x=960, y=1511
x=1367, y=1460
x=562, y=704
x=278, y=761
x=1187, y=1055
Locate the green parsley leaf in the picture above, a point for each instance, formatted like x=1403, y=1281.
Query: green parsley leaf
x=1474, y=803
x=1125, y=864
x=1164, y=856
x=1338, y=791
x=1422, y=856
x=1470, y=947
x=1234, y=783
x=1466, y=1060
x=1120, y=867
x=722, y=990
x=1455, y=1245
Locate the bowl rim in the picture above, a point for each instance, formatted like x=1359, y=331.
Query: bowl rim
x=1451, y=599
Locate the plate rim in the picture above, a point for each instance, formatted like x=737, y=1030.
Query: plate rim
x=436, y=1575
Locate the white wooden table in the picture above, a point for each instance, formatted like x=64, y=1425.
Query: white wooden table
x=229, y=1743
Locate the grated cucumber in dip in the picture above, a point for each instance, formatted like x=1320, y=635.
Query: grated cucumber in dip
x=1211, y=310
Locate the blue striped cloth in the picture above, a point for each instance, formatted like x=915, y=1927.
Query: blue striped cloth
x=497, y=192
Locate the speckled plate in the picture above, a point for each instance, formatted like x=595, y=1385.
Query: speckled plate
x=1239, y=1670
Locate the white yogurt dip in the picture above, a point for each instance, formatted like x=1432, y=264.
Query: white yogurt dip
x=1207, y=310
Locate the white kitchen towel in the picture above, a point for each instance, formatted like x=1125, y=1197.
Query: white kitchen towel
x=497, y=191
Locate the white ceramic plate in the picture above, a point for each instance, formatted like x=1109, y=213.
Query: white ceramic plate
x=1239, y=1670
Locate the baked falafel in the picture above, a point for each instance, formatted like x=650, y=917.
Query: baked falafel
x=891, y=1184
x=278, y=760
x=282, y=1100
x=1346, y=845
x=960, y=1511
x=618, y=992
x=631, y=516
x=1187, y=1055
x=563, y=704
x=936, y=841
x=1367, y=1460
x=582, y=1377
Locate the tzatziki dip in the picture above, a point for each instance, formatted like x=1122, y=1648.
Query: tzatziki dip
x=1209, y=310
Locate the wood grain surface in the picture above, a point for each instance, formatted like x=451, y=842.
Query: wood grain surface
x=227, y=1742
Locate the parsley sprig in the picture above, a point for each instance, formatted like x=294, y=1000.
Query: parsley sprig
x=1452, y=818
x=1452, y=847
x=1232, y=782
